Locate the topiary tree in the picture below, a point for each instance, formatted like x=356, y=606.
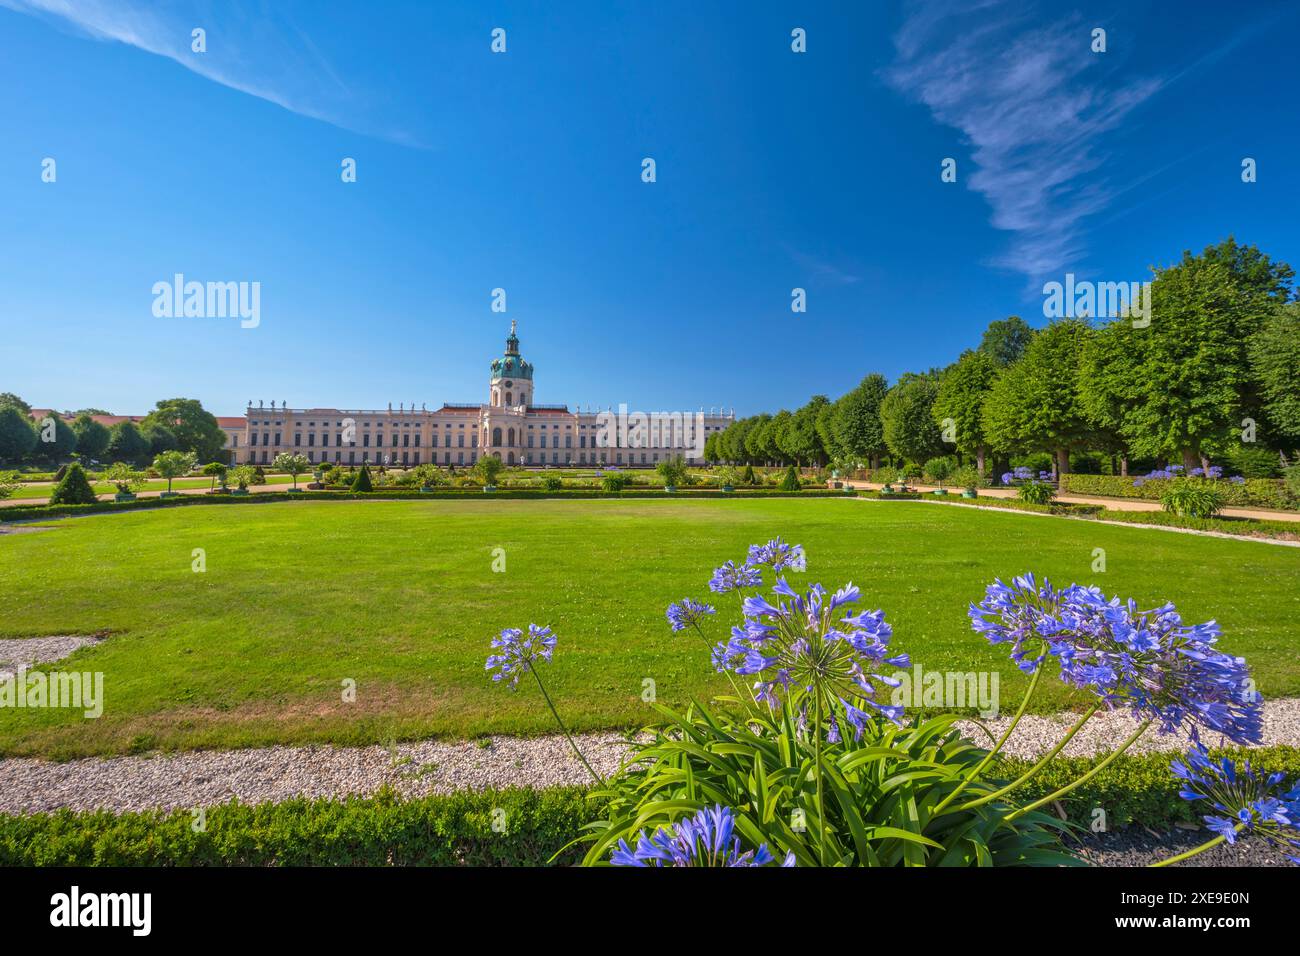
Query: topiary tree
x=215, y=470
x=9, y=483
x=362, y=483
x=748, y=475
x=790, y=481
x=487, y=468
x=173, y=464
x=243, y=476
x=939, y=469
x=124, y=477
x=74, y=489
x=293, y=465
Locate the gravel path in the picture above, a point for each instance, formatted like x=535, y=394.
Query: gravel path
x=1137, y=846
x=26, y=651
x=203, y=778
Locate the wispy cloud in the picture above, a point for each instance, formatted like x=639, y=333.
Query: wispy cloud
x=822, y=270
x=1033, y=104
x=261, y=54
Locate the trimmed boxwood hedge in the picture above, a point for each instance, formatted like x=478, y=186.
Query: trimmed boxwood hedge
x=458, y=829
x=448, y=830
x=29, y=512
x=1252, y=493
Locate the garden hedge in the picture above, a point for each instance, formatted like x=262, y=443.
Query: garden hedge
x=514, y=827
x=1251, y=493
x=28, y=512
x=449, y=830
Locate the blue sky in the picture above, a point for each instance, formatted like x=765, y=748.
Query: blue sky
x=522, y=170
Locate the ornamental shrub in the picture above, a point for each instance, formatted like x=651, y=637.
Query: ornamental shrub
x=613, y=482
x=748, y=476
x=1036, y=492
x=74, y=489
x=790, y=480
x=1192, y=498
x=362, y=483
x=552, y=483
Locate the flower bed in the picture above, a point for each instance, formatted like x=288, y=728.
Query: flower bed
x=1244, y=493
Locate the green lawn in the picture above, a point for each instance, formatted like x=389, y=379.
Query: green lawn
x=43, y=489
x=400, y=597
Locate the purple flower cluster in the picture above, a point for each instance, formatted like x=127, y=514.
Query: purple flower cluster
x=1021, y=473
x=517, y=653
x=705, y=839
x=687, y=612
x=733, y=577
x=799, y=646
x=1249, y=801
x=1146, y=661
x=778, y=555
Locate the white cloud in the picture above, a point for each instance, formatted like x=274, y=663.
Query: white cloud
x=1033, y=105
x=262, y=54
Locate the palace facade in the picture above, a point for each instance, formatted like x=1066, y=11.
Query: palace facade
x=509, y=425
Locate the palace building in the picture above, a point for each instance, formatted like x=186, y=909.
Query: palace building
x=509, y=425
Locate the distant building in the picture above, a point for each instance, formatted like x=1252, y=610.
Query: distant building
x=509, y=425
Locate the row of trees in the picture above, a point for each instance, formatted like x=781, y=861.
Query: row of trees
x=1216, y=368
x=176, y=424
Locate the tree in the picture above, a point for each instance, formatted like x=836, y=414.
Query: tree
x=759, y=447
x=487, y=468
x=55, y=440
x=907, y=417
x=74, y=489
x=361, y=483
x=174, y=464
x=92, y=437
x=1274, y=353
x=125, y=443
x=215, y=470
x=17, y=437
x=962, y=390
x=194, y=429
x=1110, y=386
x=790, y=480
x=243, y=476
x=90, y=411
x=292, y=465
x=10, y=400
x=777, y=429
x=126, y=478
x=800, y=440
x=9, y=483
x=673, y=472
x=1005, y=340
x=856, y=422
x=1034, y=404
x=160, y=438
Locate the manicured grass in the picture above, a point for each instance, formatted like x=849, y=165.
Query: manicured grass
x=42, y=490
x=400, y=596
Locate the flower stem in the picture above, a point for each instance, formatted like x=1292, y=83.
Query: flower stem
x=709, y=648
x=1036, y=767
x=1188, y=854
x=595, y=776
x=817, y=769
x=1087, y=776
x=1033, y=685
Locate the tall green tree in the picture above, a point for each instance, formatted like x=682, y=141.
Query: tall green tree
x=962, y=390
x=17, y=436
x=10, y=400
x=1034, y=404
x=195, y=429
x=856, y=423
x=907, y=417
x=1274, y=354
x=92, y=437
x=1005, y=340
x=125, y=443
x=55, y=439
x=801, y=440
x=759, y=445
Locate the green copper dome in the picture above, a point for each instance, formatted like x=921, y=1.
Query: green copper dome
x=511, y=365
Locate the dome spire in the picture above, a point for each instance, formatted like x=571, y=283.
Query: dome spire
x=512, y=342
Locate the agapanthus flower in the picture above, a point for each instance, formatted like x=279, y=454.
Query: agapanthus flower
x=1146, y=661
x=687, y=612
x=1156, y=666
x=705, y=839
x=1023, y=613
x=778, y=555
x=732, y=577
x=1249, y=801
x=518, y=653
x=804, y=643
